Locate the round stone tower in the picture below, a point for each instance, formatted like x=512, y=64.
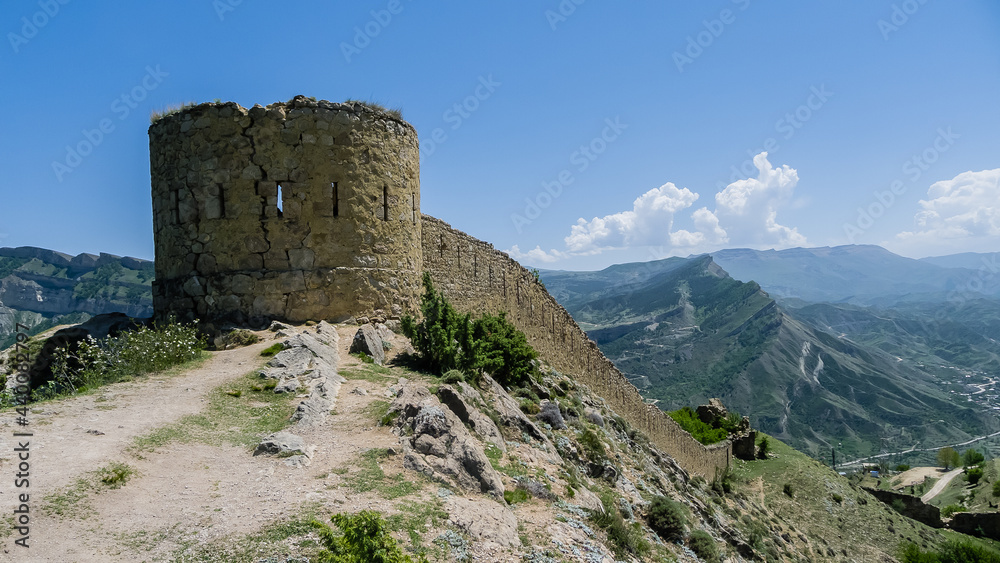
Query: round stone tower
x=296, y=211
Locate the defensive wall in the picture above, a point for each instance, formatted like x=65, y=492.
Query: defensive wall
x=477, y=278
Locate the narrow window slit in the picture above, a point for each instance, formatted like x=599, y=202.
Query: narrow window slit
x=385, y=203
x=279, y=202
x=336, y=199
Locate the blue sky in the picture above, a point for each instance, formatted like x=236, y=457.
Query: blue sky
x=575, y=134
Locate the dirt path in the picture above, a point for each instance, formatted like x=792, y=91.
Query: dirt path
x=941, y=484
x=78, y=435
x=183, y=494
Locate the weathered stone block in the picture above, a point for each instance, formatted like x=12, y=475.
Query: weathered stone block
x=301, y=258
x=241, y=284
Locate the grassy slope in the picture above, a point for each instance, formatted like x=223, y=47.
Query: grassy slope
x=855, y=526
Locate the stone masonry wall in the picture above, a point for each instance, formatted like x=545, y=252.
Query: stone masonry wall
x=477, y=278
x=344, y=241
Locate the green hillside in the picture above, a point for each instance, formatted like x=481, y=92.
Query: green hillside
x=42, y=288
x=692, y=332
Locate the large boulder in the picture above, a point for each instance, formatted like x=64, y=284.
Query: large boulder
x=368, y=341
x=437, y=443
x=464, y=409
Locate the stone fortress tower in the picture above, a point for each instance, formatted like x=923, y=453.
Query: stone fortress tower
x=295, y=211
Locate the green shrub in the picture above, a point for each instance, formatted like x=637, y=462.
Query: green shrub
x=788, y=490
x=837, y=498
x=453, y=377
x=516, y=496
x=440, y=336
x=996, y=489
x=93, y=363
x=272, y=350
x=974, y=474
x=953, y=551
x=701, y=431
x=703, y=545
x=115, y=474
x=902, y=467
x=972, y=457
x=763, y=448
x=666, y=518
x=502, y=351
x=446, y=340
x=593, y=446
x=951, y=509
x=364, y=539
x=237, y=338
x=529, y=407
x=626, y=539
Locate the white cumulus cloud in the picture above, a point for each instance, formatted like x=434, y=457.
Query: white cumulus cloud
x=958, y=215
x=647, y=223
x=748, y=209
x=535, y=255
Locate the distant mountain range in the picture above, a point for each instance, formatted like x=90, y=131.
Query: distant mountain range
x=814, y=373
x=863, y=274
x=42, y=288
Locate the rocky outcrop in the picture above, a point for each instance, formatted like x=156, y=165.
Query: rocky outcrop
x=308, y=365
x=460, y=404
x=509, y=412
x=437, y=444
x=483, y=520
x=286, y=445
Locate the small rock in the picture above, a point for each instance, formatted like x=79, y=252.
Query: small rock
x=276, y=326
x=367, y=341
x=95, y=432
x=281, y=443
x=550, y=413
x=595, y=418
x=358, y=391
